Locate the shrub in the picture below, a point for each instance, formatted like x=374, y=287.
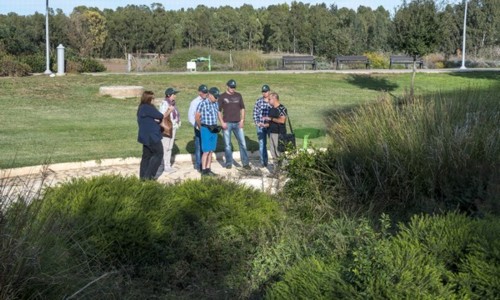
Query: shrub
x=378, y=60
x=195, y=236
x=11, y=67
x=91, y=65
x=407, y=265
x=248, y=61
x=37, y=62
x=436, y=153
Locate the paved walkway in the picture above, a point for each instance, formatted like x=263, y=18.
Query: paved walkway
x=28, y=181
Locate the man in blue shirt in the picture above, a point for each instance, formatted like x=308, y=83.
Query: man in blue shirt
x=202, y=95
x=206, y=117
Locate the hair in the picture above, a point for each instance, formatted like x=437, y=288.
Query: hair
x=147, y=97
x=274, y=95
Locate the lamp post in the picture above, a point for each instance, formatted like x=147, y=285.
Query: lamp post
x=463, y=40
x=47, y=70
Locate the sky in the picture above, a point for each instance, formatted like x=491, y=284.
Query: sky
x=29, y=7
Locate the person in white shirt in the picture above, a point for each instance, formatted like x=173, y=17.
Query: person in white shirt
x=202, y=95
x=168, y=104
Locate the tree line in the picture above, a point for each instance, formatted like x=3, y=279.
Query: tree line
x=298, y=27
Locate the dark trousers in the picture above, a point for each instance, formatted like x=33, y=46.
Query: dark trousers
x=152, y=156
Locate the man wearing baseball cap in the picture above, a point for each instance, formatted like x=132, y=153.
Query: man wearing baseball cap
x=206, y=117
x=260, y=111
x=232, y=118
x=202, y=95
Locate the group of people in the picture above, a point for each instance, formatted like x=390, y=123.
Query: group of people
x=206, y=111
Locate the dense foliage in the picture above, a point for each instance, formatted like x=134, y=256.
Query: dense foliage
x=298, y=27
x=437, y=153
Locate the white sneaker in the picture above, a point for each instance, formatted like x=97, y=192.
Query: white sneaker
x=169, y=170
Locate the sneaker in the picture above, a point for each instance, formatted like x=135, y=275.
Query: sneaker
x=210, y=173
x=169, y=170
x=229, y=166
x=247, y=167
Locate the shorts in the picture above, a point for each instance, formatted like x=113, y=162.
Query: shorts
x=208, y=140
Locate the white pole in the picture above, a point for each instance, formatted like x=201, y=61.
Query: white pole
x=463, y=40
x=47, y=70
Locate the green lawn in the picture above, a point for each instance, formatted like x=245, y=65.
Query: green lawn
x=64, y=119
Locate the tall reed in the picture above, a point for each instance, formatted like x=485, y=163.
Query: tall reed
x=439, y=151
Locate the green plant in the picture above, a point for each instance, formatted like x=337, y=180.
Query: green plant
x=9, y=66
x=195, y=233
x=378, y=60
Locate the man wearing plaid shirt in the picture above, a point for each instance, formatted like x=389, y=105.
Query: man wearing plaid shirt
x=207, y=114
x=261, y=110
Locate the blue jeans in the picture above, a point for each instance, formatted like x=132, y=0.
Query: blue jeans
x=262, y=137
x=240, y=137
x=197, y=149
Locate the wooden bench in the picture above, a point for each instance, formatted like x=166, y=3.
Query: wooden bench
x=405, y=60
x=352, y=59
x=300, y=60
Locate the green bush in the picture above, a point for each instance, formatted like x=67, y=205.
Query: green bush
x=378, y=60
x=415, y=263
x=9, y=66
x=91, y=65
x=37, y=62
x=439, y=152
x=198, y=235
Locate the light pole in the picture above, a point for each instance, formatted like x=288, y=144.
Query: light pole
x=463, y=40
x=47, y=70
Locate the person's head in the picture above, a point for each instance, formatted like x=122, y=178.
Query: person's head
x=265, y=91
x=213, y=94
x=231, y=86
x=147, y=97
x=203, y=91
x=274, y=99
x=171, y=93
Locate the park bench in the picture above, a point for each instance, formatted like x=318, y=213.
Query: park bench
x=301, y=60
x=352, y=59
x=405, y=60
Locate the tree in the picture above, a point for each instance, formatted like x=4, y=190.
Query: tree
x=414, y=31
x=88, y=29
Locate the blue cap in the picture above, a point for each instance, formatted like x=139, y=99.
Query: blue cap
x=203, y=88
x=214, y=91
x=170, y=91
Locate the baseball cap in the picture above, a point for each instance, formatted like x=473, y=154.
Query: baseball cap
x=170, y=91
x=265, y=88
x=203, y=88
x=214, y=91
x=231, y=83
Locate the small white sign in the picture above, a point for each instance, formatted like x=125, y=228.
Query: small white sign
x=191, y=65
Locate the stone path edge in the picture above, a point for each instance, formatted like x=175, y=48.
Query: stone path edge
x=29, y=170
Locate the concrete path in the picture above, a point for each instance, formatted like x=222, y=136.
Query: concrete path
x=28, y=182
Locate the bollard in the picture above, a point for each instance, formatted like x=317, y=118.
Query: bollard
x=60, y=60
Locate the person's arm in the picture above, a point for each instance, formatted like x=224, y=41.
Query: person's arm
x=257, y=113
x=197, y=117
x=222, y=123
x=192, y=112
x=150, y=111
x=242, y=118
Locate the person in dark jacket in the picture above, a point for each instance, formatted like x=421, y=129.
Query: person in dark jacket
x=149, y=119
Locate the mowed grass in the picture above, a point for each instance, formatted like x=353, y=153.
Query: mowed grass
x=63, y=119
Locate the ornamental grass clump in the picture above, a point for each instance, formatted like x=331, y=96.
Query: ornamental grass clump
x=437, y=152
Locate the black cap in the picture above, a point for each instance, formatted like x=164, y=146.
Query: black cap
x=203, y=88
x=265, y=88
x=231, y=83
x=170, y=91
x=214, y=91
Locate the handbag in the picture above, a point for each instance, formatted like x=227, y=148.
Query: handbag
x=166, y=126
x=214, y=128
x=286, y=140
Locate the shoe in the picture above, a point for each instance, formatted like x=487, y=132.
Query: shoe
x=210, y=173
x=169, y=170
x=229, y=166
x=247, y=167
